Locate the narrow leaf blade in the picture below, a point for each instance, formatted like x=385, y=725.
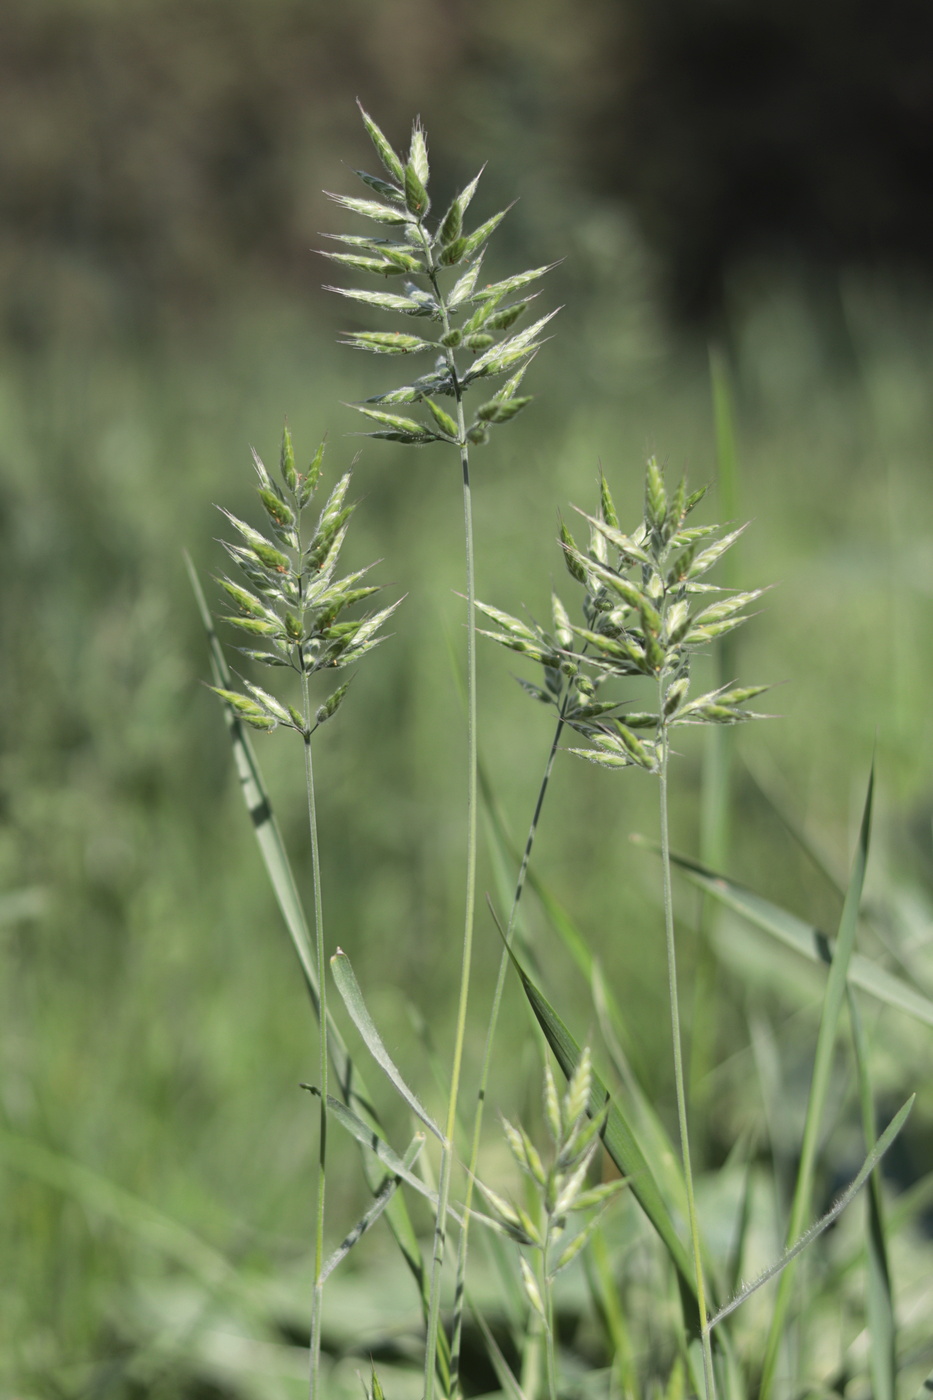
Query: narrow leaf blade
x=349, y=989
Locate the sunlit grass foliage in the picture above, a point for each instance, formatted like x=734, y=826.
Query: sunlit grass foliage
x=156, y=1152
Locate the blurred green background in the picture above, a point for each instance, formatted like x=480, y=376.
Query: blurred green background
x=708, y=177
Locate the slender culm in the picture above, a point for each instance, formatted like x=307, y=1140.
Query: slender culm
x=472, y=321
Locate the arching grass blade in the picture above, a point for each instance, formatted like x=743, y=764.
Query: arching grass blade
x=807, y=1238
x=349, y=989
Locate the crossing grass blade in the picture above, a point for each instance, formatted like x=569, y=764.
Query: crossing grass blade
x=507, y=1382
x=819, y=1088
x=374, y=1143
x=369, y=1218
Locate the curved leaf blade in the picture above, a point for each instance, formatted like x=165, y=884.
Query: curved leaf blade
x=349, y=989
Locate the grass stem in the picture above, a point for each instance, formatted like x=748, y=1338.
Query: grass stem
x=318, y=1296
x=447, y=1152
x=678, y=1051
x=322, y=1068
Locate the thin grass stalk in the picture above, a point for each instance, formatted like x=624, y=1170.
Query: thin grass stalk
x=718, y=758
x=405, y=201
x=678, y=1053
x=317, y=1303
x=715, y=831
x=547, y=1288
x=488, y=1049
x=470, y=897
x=323, y=1059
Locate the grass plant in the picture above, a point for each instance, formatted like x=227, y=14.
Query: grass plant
x=422, y=256
x=290, y=609
x=622, y=680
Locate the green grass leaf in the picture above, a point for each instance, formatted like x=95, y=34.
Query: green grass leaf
x=349, y=989
x=819, y=1090
x=807, y=940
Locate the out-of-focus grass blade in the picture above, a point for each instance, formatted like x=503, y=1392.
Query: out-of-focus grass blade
x=912, y=1203
x=717, y=767
x=882, y=1331
x=819, y=1088
x=271, y=845
x=805, y=939
x=278, y=868
x=369, y=1218
x=800, y=837
x=349, y=989
x=727, y=458
x=620, y=1143
x=848, y=1195
x=258, y=805
x=608, y=1305
x=506, y=1379
x=737, y=1249
x=512, y=1297
x=676, y=1388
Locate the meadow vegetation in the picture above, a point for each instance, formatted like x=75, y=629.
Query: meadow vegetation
x=157, y=1154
